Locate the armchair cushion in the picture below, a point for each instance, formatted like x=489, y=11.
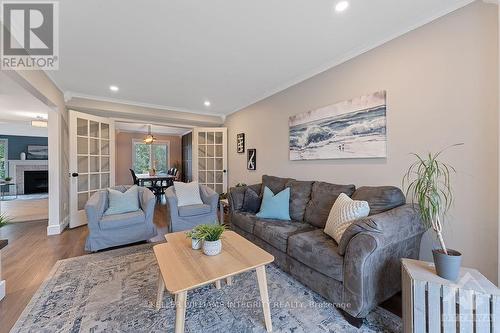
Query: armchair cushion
x=187, y=193
x=193, y=210
x=123, y=202
x=117, y=221
x=317, y=250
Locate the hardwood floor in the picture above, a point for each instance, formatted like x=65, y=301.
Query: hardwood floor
x=26, y=210
x=30, y=256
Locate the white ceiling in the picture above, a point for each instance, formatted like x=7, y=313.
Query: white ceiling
x=177, y=54
x=17, y=104
x=155, y=129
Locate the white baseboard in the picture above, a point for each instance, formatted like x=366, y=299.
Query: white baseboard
x=57, y=229
x=2, y=289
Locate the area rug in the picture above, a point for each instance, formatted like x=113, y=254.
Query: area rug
x=115, y=291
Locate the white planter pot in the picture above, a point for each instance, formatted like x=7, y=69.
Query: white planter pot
x=196, y=243
x=212, y=248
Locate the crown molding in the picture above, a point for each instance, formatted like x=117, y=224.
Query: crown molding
x=70, y=95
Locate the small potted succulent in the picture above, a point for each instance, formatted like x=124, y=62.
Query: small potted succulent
x=211, y=235
x=428, y=182
x=7, y=179
x=195, y=238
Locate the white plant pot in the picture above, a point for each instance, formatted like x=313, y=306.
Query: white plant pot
x=195, y=243
x=212, y=248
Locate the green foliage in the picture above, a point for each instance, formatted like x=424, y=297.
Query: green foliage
x=241, y=184
x=149, y=156
x=207, y=232
x=4, y=220
x=8, y=179
x=428, y=183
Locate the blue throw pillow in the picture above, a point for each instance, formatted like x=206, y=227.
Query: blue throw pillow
x=121, y=203
x=275, y=206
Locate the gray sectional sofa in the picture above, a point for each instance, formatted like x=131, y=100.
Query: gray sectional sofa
x=357, y=274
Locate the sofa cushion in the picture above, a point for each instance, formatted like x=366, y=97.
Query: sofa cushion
x=380, y=198
x=244, y=221
x=275, y=206
x=251, y=201
x=276, y=232
x=318, y=251
x=323, y=196
x=187, y=193
x=275, y=184
x=300, y=194
x=117, y=221
x=193, y=210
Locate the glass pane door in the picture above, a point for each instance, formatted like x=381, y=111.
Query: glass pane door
x=93, y=154
x=91, y=160
x=211, y=163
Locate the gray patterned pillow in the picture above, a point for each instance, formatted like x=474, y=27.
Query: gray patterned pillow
x=251, y=201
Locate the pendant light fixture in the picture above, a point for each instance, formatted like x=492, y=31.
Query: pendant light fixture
x=149, y=139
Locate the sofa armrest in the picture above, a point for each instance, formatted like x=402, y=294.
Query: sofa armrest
x=373, y=248
x=147, y=201
x=172, y=201
x=209, y=197
x=393, y=226
x=235, y=197
x=95, y=208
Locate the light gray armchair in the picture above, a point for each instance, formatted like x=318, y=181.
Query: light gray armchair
x=120, y=229
x=188, y=217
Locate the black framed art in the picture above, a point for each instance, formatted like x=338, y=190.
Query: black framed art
x=252, y=159
x=240, y=143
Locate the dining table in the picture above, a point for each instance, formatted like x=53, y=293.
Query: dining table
x=158, y=178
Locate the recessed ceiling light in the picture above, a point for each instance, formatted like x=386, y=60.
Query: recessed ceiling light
x=341, y=6
x=207, y=103
x=114, y=88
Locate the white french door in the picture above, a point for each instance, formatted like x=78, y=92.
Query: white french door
x=91, y=160
x=210, y=157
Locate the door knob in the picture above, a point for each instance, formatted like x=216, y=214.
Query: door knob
x=74, y=174
x=224, y=171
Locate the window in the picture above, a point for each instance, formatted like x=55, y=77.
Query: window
x=145, y=157
x=3, y=158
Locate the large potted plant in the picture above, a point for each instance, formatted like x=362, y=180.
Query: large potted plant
x=428, y=184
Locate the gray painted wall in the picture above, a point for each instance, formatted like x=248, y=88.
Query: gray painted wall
x=442, y=88
x=18, y=144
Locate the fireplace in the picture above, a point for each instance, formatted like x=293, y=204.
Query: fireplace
x=36, y=181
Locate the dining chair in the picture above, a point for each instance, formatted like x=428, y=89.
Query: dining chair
x=134, y=177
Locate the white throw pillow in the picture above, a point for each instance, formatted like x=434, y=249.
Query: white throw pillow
x=343, y=213
x=187, y=194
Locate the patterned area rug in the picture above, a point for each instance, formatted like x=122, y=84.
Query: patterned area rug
x=115, y=291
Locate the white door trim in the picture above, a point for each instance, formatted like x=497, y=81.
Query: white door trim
x=76, y=217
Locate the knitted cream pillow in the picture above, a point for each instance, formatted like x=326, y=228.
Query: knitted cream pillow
x=344, y=212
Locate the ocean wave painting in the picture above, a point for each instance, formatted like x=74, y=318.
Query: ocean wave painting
x=352, y=129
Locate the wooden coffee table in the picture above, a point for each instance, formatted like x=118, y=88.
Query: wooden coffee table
x=183, y=269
